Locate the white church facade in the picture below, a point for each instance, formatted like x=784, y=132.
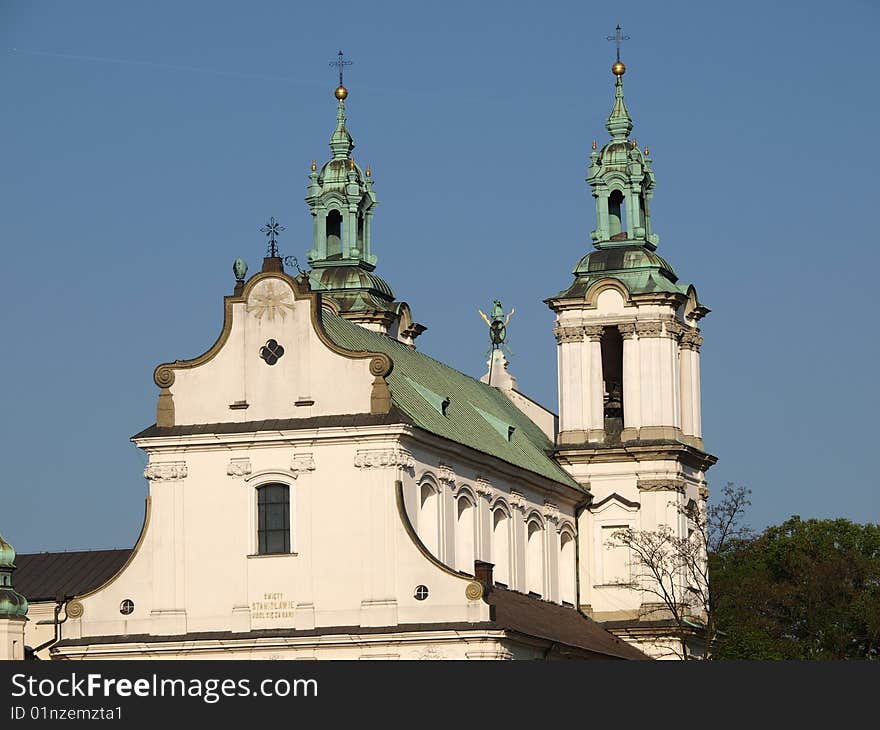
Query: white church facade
x=319, y=488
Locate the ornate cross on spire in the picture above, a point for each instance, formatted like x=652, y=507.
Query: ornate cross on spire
x=272, y=229
x=340, y=63
x=618, y=38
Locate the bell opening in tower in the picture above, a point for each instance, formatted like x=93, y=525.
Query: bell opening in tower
x=612, y=382
x=360, y=233
x=616, y=216
x=334, y=235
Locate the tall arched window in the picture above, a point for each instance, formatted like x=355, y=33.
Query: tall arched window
x=535, y=557
x=334, y=234
x=429, y=519
x=501, y=546
x=273, y=519
x=464, y=535
x=566, y=568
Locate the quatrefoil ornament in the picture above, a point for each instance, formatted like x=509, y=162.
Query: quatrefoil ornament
x=271, y=352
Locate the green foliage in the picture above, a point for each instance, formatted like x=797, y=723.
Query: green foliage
x=806, y=589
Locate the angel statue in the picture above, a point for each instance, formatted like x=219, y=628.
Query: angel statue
x=498, y=325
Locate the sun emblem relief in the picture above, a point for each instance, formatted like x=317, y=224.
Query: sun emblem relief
x=270, y=300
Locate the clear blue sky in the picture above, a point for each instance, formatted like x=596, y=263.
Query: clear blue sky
x=144, y=145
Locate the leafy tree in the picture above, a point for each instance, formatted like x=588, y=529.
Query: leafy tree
x=673, y=568
x=805, y=589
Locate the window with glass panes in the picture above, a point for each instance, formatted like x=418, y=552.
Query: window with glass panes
x=273, y=519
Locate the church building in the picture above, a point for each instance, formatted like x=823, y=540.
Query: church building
x=321, y=489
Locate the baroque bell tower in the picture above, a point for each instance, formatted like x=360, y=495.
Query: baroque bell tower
x=342, y=202
x=628, y=347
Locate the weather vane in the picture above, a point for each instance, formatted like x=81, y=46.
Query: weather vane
x=272, y=229
x=497, y=326
x=618, y=38
x=340, y=63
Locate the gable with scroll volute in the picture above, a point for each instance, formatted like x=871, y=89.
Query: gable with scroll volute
x=301, y=372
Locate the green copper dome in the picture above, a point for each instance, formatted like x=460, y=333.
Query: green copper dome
x=7, y=554
x=12, y=603
x=348, y=278
x=640, y=270
x=624, y=258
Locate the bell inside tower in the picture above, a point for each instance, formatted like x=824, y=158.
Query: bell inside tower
x=334, y=235
x=612, y=377
x=616, y=215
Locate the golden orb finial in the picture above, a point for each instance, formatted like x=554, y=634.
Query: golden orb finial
x=646, y=151
x=314, y=165
x=594, y=144
x=341, y=92
x=369, y=171
x=618, y=69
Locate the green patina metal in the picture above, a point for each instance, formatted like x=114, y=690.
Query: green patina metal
x=342, y=202
x=622, y=184
x=477, y=416
x=12, y=603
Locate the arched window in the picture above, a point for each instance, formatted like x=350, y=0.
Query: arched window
x=535, y=558
x=501, y=546
x=334, y=235
x=273, y=519
x=464, y=535
x=429, y=519
x=616, y=214
x=566, y=568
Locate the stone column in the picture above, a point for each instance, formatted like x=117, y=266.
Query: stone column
x=632, y=396
x=570, y=339
x=379, y=469
x=689, y=353
x=518, y=528
x=594, y=405
x=168, y=611
x=551, y=552
x=483, y=544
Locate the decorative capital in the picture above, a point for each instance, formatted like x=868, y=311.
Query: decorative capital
x=484, y=489
x=670, y=484
x=626, y=329
x=649, y=329
x=239, y=467
x=384, y=459
x=594, y=332
x=518, y=501
x=691, y=340
x=551, y=513
x=446, y=475
x=704, y=491
x=568, y=333
x=675, y=330
x=301, y=463
x=167, y=471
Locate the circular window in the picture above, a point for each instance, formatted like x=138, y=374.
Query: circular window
x=421, y=593
x=271, y=352
x=126, y=607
